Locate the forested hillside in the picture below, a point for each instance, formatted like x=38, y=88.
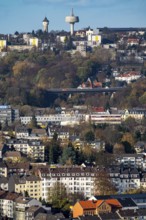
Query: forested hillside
x=25, y=76
x=132, y=96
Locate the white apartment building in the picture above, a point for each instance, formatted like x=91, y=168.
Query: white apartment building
x=32, y=148
x=13, y=205
x=3, y=169
x=76, y=179
x=128, y=77
x=125, y=179
x=62, y=119
x=104, y=118
x=21, y=205
x=132, y=161
x=7, y=204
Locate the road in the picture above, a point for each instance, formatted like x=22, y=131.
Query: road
x=74, y=90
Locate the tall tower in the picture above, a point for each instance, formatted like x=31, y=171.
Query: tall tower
x=72, y=19
x=45, y=24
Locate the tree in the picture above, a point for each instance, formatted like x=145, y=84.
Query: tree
x=68, y=155
x=138, y=135
x=57, y=193
x=76, y=196
x=103, y=184
x=89, y=154
x=118, y=148
x=129, y=149
x=58, y=197
x=33, y=123
x=104, y=159
x=54, y=150
x=26, y=194
x=144, y=136
x=130, y=123
x=128, y=137
x=89, y=136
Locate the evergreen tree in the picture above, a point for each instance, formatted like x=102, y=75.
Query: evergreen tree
x=68, y=155
x=89, y=136
x=54, y=150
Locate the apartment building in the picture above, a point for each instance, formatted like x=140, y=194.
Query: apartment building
x=4, y=183
x=14, y=205
x=8, y=114
x=22, y=204
x=76, y=179
x=7, y=204
x=34, y=149
x=62, y=119
x=104, y=118
x=21, y=132
x=18, y=168
x=125, y=179
x=30, y=184
x=33, y=211
x=132, y=161
x=20, y=145
x=3, y=169
x=128, y=77
x=137, y=114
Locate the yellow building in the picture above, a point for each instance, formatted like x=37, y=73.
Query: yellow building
x=3, y=44
x=34, y=42
x=30, y=184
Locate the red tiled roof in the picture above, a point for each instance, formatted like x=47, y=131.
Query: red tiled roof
x=99, y=202
x=133, y=40
x=114, y=202
x=129, y=74
x=94, y=204
x=98, y=109
x=88, y=204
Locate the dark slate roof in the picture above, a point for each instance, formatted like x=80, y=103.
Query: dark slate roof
x=109, y=216
x=134, y=171
x=45, y=216
x=128, y=213
x=117, y=196
x=127, y=202
x=3, y=180
x=89, y=217
x=21, y=129
x=142, y=212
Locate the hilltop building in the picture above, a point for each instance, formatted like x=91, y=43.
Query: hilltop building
x=45, y=24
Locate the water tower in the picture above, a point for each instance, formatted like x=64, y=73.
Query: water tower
x=72, y=19
x=45, y=24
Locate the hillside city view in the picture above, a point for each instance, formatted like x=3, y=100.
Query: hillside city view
x=73, y=110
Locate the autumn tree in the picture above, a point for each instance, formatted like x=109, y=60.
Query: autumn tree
x=33, y=122
x=119, y=148
x=58, y=197
x=128, y=137
x=104, y=159
x=103, y=184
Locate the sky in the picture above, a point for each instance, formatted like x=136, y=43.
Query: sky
x=27, y=15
